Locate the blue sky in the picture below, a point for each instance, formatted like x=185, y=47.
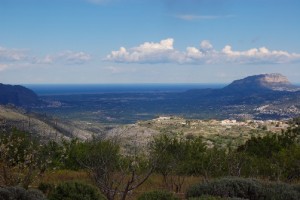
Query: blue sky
x=147, y=41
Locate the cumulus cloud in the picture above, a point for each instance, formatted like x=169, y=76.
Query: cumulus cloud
x=148, y=52
x=259, y=55
x=205, y=44
x=164, y=52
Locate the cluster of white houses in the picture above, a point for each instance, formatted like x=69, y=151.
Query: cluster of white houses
x=226, y=122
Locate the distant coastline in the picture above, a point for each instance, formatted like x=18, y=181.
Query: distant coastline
x=71, y=89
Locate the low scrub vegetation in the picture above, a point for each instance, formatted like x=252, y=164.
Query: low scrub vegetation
x=18, y=193
x=236, y=187
x=24, y=161
x=75, y=191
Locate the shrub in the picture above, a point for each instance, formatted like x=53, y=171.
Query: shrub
x=297, y=188
x=245, y=188
x=228, y=187
x=4, y=193
x=9, y=193
x=278, y=191
x=158, y=195
x=34, y=194
x=46, y=188
x=75, y=191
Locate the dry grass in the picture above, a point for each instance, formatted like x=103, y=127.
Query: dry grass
x=55, y=177
x=155, y=182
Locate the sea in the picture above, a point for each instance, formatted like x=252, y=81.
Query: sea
x=71, y=89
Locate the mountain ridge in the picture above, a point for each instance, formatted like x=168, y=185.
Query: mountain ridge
x=17, y=95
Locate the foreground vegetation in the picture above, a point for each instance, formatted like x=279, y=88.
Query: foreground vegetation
x=172, y=162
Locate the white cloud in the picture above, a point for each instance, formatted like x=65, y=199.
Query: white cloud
x=66, y=57
x=259, y=55
x=166, y=44
x=12, y=58
x=71, y=57
x=48, y=59
x=148, y=52
x=12, y=54
x=205, y=44
x=164, y=52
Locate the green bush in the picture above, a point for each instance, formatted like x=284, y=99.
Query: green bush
x=46, y=188
x=297, y=188
x=75, y=191
x=278, y=191
x=235, y=187
x=228, y=187
x=158, y=195
x=34, y=194
x=12, y=193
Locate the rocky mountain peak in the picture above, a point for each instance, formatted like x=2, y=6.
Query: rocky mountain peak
x=274, y=81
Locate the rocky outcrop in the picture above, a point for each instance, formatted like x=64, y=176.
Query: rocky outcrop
x=261, y=82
